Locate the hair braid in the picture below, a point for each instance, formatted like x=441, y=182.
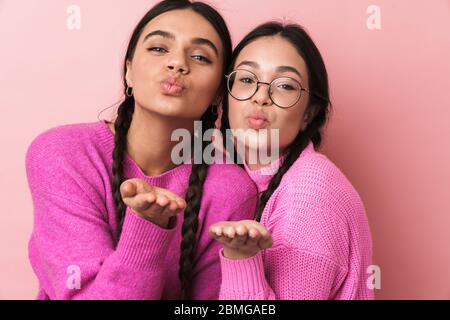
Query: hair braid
x=121, y=126
x=190, y=224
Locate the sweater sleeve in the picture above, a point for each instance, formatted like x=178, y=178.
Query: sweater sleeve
x=296, y=275
x=72, y=249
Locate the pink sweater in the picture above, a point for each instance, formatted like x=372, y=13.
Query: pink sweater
x=69, y=176
x=321, y=238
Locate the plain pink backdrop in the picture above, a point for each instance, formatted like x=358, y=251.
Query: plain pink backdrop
x=389, y=132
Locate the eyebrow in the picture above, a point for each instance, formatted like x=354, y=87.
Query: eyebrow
x=171, y=36
x=279, y=68
x=160, y=33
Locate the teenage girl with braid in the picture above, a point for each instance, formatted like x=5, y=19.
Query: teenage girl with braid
x=310, y=238
x=107, y=197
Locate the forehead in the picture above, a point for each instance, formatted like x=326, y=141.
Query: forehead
x=185, y=24
x=272, y=52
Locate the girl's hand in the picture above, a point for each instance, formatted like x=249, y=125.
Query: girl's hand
x=241, y=239
x=155, y=204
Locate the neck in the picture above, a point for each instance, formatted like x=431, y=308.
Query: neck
x=256, y=165
x=149, y=140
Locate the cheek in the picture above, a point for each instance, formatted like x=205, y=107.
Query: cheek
x=235, y=116
x=289, y=125
x=205, y=84
x=143, y=73
x=142, y=63
x=206, y=77
x=203, y=89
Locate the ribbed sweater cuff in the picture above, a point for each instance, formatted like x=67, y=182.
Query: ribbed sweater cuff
x=244, y=275
x=142, y=243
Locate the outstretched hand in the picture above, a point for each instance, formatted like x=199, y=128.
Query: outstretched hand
x=241, y=239
x=155, y=204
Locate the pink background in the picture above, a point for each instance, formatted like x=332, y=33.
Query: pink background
x=389, y=131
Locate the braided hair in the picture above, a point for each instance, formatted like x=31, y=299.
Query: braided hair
x=319, y=102
x=199, y=171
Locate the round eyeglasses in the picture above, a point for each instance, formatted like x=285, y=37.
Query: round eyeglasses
x=284, y=92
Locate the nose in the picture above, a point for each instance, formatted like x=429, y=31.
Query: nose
x=262, y=96
x=177, y=63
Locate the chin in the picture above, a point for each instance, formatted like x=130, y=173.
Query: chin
x=164, y=108
x=171, y=107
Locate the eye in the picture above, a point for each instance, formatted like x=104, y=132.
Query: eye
x=201, y=58
x=157, y=49
x=286, y=87
x=246, y=80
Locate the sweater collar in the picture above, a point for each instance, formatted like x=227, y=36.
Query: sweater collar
x=262, y=176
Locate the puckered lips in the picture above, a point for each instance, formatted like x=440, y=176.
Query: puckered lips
x=172, y=87
x=257, y=120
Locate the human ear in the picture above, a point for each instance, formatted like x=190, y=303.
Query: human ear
x=217, y=100
x=128, y=76
x=308, y=117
